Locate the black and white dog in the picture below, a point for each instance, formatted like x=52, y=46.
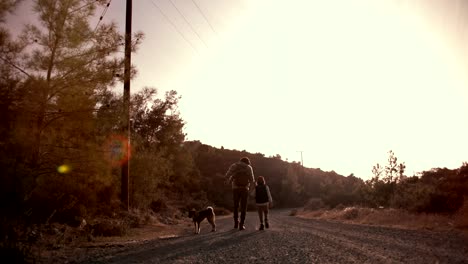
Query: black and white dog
x=199, y=216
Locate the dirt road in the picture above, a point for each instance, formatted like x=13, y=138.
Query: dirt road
x=294, y=240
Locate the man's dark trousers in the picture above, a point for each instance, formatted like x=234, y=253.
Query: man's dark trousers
x=240, y=195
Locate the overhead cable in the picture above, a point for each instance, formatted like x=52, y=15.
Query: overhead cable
x=103, y=14
x=186, y=21
x=83, y=6
x=174, y=26
x=203, y=14
x=18, y=68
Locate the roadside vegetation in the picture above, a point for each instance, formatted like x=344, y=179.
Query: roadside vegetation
x=435, y=199
x=390, y=217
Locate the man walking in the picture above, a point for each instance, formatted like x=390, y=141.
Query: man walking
x=240, y=175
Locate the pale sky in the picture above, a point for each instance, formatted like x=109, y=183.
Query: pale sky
x=344, y=81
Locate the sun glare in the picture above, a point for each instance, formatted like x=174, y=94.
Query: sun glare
x=64, y=169
x=340, y=79
x=117, y=150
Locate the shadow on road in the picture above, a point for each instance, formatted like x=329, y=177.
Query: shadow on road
x=188, y=245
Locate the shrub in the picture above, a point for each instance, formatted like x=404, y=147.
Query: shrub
x=109, y=227
x=461, y=217
x=339, y=207
x=195, y=205
x=350, y=213
x=136, y=217
x=221, y=211
x=412, y=196
x=15, y=253
x=314, y=204
x=16, y=243
x=158, y=205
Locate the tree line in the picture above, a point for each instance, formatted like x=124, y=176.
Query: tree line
x=438, y=190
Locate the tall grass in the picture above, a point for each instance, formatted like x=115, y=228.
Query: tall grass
x=393, y=217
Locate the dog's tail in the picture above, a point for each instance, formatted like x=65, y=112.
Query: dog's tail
x=211, y=208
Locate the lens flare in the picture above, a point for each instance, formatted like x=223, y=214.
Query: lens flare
x=117, y=150
x=64, y=169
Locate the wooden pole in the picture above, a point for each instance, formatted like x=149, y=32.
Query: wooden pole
x=126, y=105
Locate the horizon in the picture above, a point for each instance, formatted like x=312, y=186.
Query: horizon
x=382, y=163
x=344, y=82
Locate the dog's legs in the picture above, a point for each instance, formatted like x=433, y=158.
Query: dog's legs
x=198, y=229
x=212, y=222
x=195, y=224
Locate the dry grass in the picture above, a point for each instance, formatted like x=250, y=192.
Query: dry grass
x=293, y=212
x=221, y=211
x=461, y=217
x=392, y=218
x=314, y=204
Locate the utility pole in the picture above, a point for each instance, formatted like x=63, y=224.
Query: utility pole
x=302, y=162
x=126, y=106
x=301, y=179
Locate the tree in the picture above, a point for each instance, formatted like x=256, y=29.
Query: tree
x=7, y=6
x=12, y=92
x=380, y=190
x=161, y=162
x=60, y=72
x=393, y=170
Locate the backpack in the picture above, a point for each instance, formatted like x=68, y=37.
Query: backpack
x=241, y=176
x=261, y=195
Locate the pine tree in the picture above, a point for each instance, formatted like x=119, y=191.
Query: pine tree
x=65, y=67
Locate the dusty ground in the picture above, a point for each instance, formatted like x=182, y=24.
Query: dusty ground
x=289, y=240
x=64, y=253
x=391, y=218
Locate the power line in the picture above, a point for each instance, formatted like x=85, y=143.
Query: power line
x=174, y=26
x=107, y=49
x=103, y=14
x=83, y=6
x=186, y=21
x=100, y=19
x=203, y=14
x=18, y=68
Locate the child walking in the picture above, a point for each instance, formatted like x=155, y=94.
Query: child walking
x=263, y=200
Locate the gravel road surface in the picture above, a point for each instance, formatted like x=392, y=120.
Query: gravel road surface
x=293, y=240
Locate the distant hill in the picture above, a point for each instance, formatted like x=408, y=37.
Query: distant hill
x=290, y=184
